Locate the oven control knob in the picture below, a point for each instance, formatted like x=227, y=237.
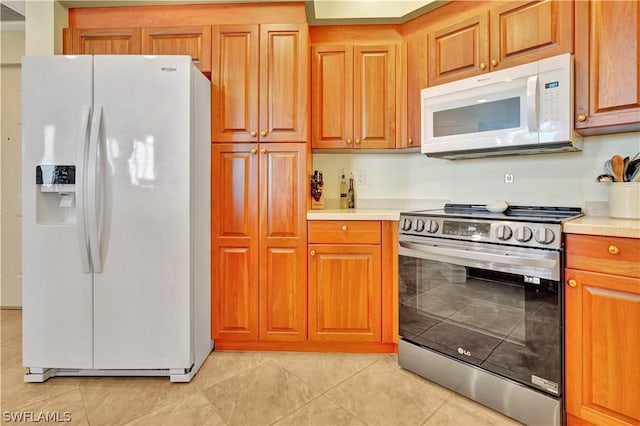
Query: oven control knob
x=503, y=232
x=419, y=225
x=544, y=235
x=432, y=227
x=523, y=234
x=406, y=224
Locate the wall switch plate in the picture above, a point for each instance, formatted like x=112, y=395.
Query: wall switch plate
x=361, y=177
x=508, y=178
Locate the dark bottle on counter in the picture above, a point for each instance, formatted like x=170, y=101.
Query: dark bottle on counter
x=351, y=197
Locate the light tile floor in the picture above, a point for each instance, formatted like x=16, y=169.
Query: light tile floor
x=243, y=388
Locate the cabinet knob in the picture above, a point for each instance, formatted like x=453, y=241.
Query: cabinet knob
x=582, y=117
x=253, y=150
x=263, y=151
x=614, y=249
x=343, y=227
x=253, y=134
x=312, y=253
x=348, y=141
x=263, y=133
x=410, y=141
x=572, y=282
x=494, y=62
x=483, y=66
x=357, y=141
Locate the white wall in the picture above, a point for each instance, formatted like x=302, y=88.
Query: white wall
x=41, y=35
x=44, y=20
x=12, y=48
x=566, y=179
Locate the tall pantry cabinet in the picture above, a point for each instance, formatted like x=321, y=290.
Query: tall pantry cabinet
x=259, y=184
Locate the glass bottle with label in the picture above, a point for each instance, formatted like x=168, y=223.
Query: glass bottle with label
x=343, y=192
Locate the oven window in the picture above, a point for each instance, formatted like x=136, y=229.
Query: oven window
x=490, y=319
x=482, y=117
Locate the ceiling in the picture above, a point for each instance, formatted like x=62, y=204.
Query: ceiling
x=319, y=12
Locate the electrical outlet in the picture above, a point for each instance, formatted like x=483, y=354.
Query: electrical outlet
x=361, y=177
x=508, y=178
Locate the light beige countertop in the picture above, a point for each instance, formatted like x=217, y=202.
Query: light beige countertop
x=353, y=214
x=603, y=225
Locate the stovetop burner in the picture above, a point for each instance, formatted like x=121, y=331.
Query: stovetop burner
x=539, y=214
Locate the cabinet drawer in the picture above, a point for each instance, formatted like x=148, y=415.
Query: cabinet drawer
x=344, y=231
x=613, y=255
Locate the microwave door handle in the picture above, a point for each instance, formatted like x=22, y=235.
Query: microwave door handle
x=477, y=256
x=532, y=103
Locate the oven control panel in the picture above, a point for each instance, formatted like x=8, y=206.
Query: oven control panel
x=525, y=234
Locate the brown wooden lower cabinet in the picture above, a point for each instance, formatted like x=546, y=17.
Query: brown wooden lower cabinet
x=344, y=293
x=350, y=298
x=258, y=229
x=602, y=311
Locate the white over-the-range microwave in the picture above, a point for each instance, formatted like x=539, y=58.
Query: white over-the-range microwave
x=525, y=109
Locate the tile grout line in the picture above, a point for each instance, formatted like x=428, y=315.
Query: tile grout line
x=321, y=394
x=338, y=384
x=444, y=401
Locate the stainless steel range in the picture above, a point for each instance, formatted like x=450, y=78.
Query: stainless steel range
x=481, y=305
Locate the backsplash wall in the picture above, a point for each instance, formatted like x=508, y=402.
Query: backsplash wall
x=566, y=179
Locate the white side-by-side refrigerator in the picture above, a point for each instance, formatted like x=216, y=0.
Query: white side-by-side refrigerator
x=115, y=216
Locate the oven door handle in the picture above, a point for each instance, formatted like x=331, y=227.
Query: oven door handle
x=454, y=253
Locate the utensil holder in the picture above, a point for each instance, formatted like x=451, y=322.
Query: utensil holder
x=624, y=200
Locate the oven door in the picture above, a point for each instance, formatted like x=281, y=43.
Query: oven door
x=495, y=307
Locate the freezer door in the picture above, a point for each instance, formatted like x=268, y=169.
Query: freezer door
x=57, y=295
x=140, y=212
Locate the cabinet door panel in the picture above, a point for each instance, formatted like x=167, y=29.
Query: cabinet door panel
x=416, y=69
x=332, y=85
x=374, y=96
x=460, y=50
x=234, y=217
x=344, y=293
x=234, y=188
x=187, y=40
x=234, y=313
x=234, y=80
x=606, y=66
x=283, y=242
x=106, y=41
x=283, y=294
x=526, y=31
x=283, y=181
x=284, y=70
x=602, y=347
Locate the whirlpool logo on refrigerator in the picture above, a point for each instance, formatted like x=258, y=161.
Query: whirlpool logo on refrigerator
x=168, y=69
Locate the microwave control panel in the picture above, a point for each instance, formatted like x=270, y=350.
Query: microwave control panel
x=551, y=110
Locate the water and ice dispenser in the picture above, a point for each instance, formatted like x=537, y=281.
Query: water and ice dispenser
x=56, y=197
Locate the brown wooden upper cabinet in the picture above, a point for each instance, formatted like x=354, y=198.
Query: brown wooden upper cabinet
x=353, y=96
x=508, y=34
x=102, y=41
x=606, y=67
x=259, y=83
x=415, y=64
x=187, y=40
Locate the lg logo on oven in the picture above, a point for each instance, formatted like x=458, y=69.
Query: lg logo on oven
x=462, y=351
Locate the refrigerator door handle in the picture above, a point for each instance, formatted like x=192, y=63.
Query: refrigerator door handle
x=83, y=238
x=94, y=190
